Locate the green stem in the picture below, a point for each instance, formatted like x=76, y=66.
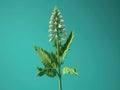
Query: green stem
x=59, y=66
x=59, y=79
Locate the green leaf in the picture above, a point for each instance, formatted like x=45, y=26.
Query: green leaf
x=38, y=68
x=66, y=46
x=48, y=59
x=69, y=70
x=48, y=71
x=41, y=73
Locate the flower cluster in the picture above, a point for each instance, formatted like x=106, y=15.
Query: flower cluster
x=57, y=28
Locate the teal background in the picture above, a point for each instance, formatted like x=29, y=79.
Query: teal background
x=95, y=50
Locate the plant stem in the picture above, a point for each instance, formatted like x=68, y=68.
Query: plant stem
x=59, y=66
x=59, y=79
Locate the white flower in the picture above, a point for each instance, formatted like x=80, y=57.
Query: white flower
x=56, y=18
x=50, y=22
x=52, y=17
x=50, y=35
x=55, y=30
x=59, y=25
x=59, y=14
x=60, y=17
x=50, y=30
x=56, y=36
x=55, y=23
x=50, y=40
x=51, y=26
x=61, y=20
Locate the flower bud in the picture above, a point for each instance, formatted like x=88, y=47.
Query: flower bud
x=50, y=40
x=50, y=30
x=50, y=35
x=61, y=20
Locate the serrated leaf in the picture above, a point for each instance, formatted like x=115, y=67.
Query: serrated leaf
x=41, y=73
x=38, y=68
x=66, y=46
x=69, y=70
x=50, y=72
x=48, y=59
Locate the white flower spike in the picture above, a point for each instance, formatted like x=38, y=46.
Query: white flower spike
x=57, y=27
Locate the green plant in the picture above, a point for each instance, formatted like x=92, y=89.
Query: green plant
x=52, y=61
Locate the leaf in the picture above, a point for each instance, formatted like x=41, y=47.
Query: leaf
x=38, y=68
x=48, y=71
x=66, y=46
x=41, y=73
x=69, y=70
x=48, y=59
